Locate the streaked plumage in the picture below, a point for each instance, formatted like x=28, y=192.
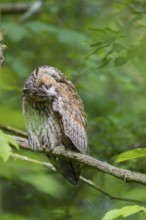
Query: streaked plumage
x=55, y=116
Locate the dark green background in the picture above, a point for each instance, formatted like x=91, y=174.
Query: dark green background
x=101, y=47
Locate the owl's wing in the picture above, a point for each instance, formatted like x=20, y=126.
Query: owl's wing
x=69, y=106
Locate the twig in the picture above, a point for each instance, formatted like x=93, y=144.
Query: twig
x=83, y=179
x=13, y=130
x=15, y=7
x=44, y=164
x=33, y=9
x=113, y=197
x=125, y=175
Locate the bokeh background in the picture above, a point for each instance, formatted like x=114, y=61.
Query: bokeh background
x=101, y=47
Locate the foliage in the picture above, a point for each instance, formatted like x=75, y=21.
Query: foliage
x=131, y=154
x=125, y=212
x=100, y=46
x=5, y=149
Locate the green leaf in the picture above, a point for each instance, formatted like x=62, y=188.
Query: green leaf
x=133, y=51
x=120, y=60
x=10, y=216
x=14, y=31
x=13, y=142
x=131, y=154
x=5, y=149
x=124, y=211
x=104, y=62
x=138, y=17
x=68, y=36
x=117, y=47
x=37, y=27
x=52, y=187
x=112, y=214
x=64, y=35
x=97, y=44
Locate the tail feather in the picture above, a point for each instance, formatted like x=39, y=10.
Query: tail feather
x=68, y=168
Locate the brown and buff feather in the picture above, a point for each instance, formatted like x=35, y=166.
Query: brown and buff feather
x=55, y=116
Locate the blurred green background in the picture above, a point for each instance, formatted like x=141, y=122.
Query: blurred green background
x=101, y=47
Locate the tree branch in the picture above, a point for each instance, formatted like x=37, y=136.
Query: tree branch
x=15, y=7
x=87, y=181
x=16, y=131
x=113, y=197
x=44, y=164
x=125, y=175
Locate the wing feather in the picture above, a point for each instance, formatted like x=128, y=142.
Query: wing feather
x=70, y=108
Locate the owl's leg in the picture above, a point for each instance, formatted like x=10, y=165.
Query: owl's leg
x=33, y=140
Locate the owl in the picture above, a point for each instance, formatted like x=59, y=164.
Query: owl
x=54, y=115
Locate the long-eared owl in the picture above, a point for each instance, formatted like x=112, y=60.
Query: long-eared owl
x=54, y=115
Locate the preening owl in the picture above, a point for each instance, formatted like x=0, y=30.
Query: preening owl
x=55, y=116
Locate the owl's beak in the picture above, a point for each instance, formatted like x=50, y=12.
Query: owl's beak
x=48, y=86
x=50, y=90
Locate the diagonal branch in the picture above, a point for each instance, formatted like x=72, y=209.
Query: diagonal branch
x=15, y=131
x=125, y=175
x=16, y=7
x=113, y=197
x=83, y=179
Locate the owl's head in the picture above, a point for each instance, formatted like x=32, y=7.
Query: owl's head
x=42, y=83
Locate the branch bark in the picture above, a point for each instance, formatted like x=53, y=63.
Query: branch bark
x=17, y=7
x=125, y=175
x=15, y=131
x=83, y=179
